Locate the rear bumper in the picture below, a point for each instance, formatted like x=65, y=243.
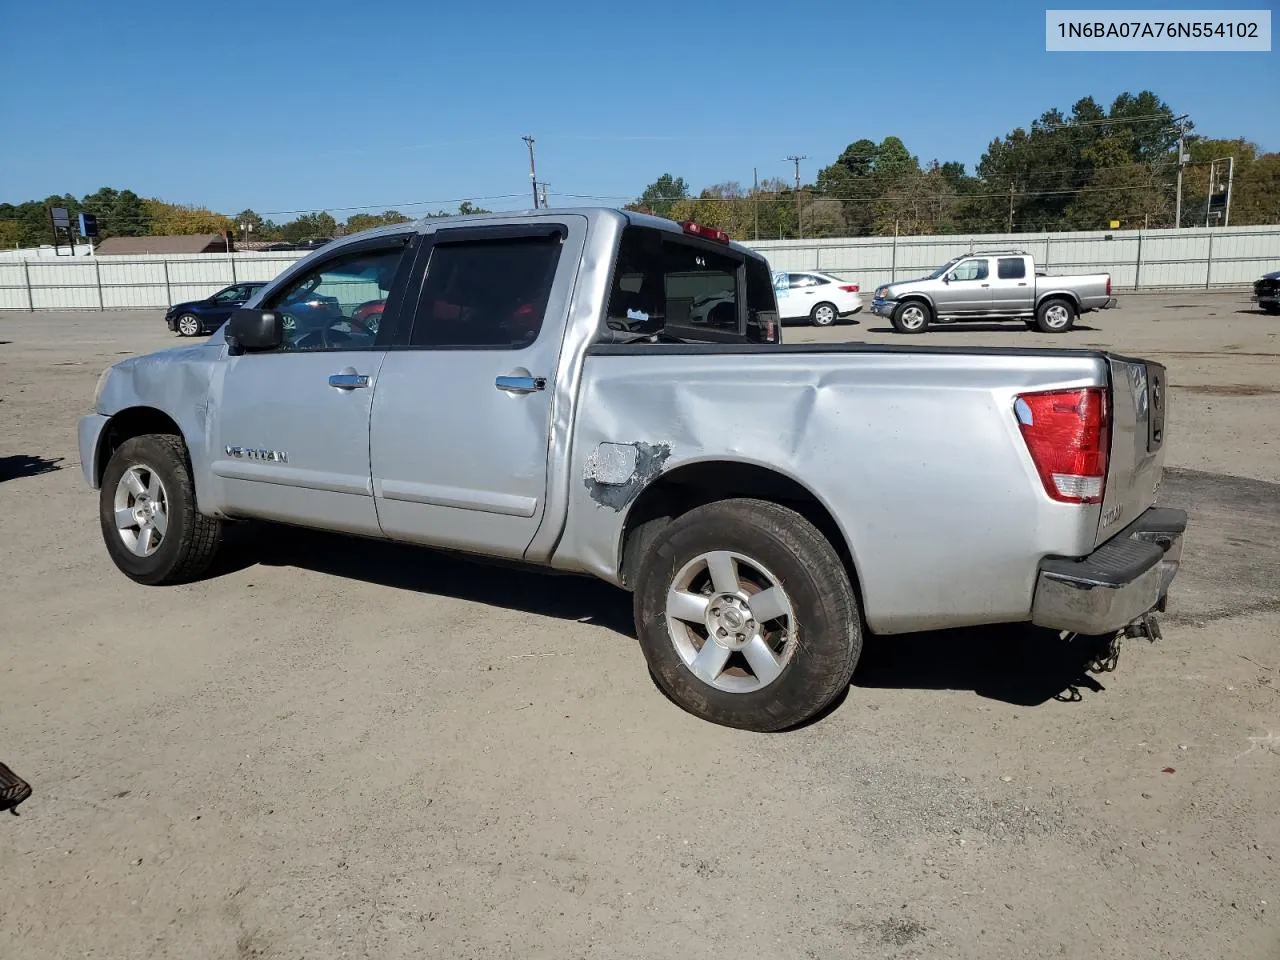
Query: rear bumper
x=1123, y=579
x=1111, y=302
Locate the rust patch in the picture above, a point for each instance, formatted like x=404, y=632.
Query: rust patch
x=616, y=472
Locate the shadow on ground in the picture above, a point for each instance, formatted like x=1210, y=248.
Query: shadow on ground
x=964, y=326
x=23, y=465
x=436, y=573
x=1231, y=565
x=1017, y=664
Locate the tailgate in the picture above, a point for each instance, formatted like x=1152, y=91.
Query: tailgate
x=1139, y=394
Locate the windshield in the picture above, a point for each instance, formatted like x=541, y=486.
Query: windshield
x=944, y=268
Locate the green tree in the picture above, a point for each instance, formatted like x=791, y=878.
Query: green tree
x=367, y=221
x=1256, y=192
x=661, y=196
x=309, y=226
x=120, y=213
x=1040, y=178
x=173, y=219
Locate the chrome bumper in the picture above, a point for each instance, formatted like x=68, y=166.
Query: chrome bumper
x=1111, y=302
x=1123, y=579
x=88, y=434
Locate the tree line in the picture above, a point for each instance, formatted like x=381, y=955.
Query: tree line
x=1080, y=170
x=123, y=213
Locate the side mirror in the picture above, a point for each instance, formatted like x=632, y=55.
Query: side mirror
x=256, y=329
x=946, y=278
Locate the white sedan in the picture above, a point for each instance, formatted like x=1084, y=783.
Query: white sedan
x=815, y=296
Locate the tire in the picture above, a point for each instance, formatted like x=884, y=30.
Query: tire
x=188, y=325
x=1055, y=315
x=1271, y=308
x=824, y=314
x=913, y=316
x=188, y=541
x=812, y=649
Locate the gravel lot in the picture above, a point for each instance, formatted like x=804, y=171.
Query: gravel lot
x=335, y=749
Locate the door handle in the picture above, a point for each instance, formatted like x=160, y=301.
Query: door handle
x=986, y=284
x=348, y=381
x=1022, y=283
x=521, y=384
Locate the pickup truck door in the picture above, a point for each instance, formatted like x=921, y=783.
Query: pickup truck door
x=289, y=427
x=967, y=289
x=462, y=415
x=1013, y=288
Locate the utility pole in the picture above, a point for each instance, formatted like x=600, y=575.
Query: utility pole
x=1230, y=178
x=1208, y=203
x=796, y=160
x=533, y=172
x=1011, y=206
x=755, y=197
x=1182, y=159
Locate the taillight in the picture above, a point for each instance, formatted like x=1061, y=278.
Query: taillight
x=849, y=287
x=709, y=233
x=1108, y=284
x=1068, y=433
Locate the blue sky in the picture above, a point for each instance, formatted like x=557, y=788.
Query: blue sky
x=286, y=106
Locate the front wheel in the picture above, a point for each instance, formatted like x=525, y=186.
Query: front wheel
x=746, y=615
x=1055, y=315
x=188, y=325
x=147, y=509
x=824, y=315
x=912, y=317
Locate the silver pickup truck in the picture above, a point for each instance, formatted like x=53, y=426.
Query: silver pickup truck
x=996, y=285
x=605, y=393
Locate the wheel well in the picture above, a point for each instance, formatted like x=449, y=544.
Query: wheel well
x=1060, y=295
x=696, y=484
x=126, y=425
x=916, y=298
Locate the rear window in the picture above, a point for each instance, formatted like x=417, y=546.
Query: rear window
x=762, y=304
x=1011, y=268
x=665, y=285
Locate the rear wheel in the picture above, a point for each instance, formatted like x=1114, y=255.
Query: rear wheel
x=188, y=325
x=824, y=315
x=746, y=615
x=912, y=317
x=147, y=510
x=1055, y=315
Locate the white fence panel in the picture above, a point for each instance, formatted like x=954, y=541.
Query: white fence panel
x=1136, y=259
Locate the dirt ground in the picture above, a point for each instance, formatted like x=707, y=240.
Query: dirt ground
x=335, y=749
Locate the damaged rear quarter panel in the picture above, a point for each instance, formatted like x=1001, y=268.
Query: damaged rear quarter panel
x=916, y=456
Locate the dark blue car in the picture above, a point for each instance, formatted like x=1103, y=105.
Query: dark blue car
x=207, y=315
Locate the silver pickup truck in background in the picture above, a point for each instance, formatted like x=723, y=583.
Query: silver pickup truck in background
x=604, y=393
x=997, y=285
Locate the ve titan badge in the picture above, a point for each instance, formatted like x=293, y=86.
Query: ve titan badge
x=257, y=453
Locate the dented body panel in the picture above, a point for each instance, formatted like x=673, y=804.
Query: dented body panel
x=913, y=453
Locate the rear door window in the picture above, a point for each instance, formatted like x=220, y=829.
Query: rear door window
x=486, y=293
x=1011, y=268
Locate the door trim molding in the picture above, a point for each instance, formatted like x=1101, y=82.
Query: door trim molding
x=483, y=501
